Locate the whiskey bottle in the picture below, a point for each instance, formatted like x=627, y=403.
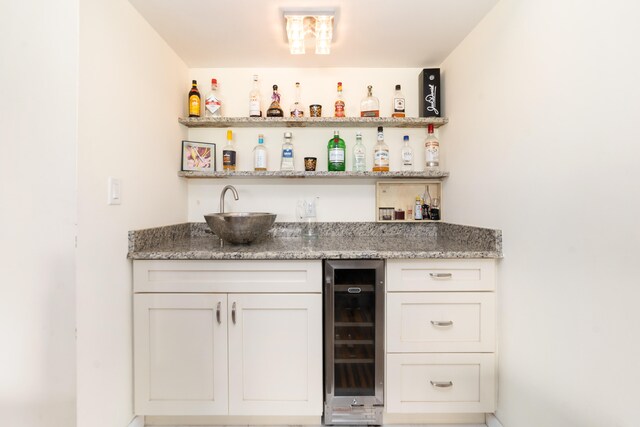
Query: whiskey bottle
x=369, y=106
x=254, y=99
x=194, y=100
x=297, y=110
x=380, y=154
x=229, y=154
x=431, y=149
x=212, y=103
x=287, y=159
x=398, y=103
x=339, y=104
x=359, y=163
x=274, y=109
x=336, y=153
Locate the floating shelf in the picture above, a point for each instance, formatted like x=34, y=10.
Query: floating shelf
x=347, y=122
x=318, y=174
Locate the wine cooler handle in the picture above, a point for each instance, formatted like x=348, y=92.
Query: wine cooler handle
x=440, y=275
x=440, y=323
x=441, y=384
x=218, y=307
x=233, y=313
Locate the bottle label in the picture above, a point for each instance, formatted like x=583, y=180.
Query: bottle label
x=336, y=155
x=194, y=105
x=260, y=160
x=212, y=105
x=254, y=108
x=228, y=158
x=407, y=158
x=339, y=111
x=398, y=105
x=287, y=153
x=371, y=113
x=432, y=154
x=381, y=157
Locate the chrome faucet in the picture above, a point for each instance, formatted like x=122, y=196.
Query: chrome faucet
x=224, y=190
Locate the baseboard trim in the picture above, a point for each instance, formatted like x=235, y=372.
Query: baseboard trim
x=137, y=421
x=492, y=421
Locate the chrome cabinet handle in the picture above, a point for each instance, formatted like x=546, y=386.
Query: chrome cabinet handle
x=441, y=384
x=218, y=311
x=354, y=290
x=439, y=323
x=440, y=275
x=233, y=313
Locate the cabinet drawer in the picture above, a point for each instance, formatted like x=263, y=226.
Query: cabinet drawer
x=441, y=322
x=296, y=276
x=441, y=275
x=440, y=383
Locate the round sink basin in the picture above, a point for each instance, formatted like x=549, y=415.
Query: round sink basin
x=240, y=227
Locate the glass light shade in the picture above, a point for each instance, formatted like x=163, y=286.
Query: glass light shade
x=295, y=34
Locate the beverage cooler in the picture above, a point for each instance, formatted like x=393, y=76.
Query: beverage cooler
x=354, y=342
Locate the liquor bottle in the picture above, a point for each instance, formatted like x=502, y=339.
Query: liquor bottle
x=339, y=105
x=369, y=106
x=380, y=154
x=212, y=104
x=431, y=149
x=417, y=210
x=297, y=110
x=287, y=159
x=194, y=100
x=336, y=150
x=359, y=163
x=398, y=103
x=260, y=155
x=407, y=155
x=274, y=109
x=229, y=154
x=254, y=99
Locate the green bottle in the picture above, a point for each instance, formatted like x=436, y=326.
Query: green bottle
x=336, y=153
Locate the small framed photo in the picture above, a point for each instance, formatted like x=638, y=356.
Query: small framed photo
x=198, y=156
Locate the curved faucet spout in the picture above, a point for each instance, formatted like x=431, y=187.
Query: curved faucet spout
x=224, y=191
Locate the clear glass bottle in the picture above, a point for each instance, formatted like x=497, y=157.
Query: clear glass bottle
x=194, y=100
x=297, y=110
x=229, y=154
x=255, y=109
x=407, y=155
x=339, y=104
x=417, y=210
x=287, y=159
x=274, y=109
x=260, y=155
x=398, y=103
x=212, y=103
x=431, y=149
x=380, y=154
x=369, y=106
x=359, y=162
x=336, y=150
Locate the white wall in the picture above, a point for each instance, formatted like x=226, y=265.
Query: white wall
x=38, y=93
x=341, y=200
x=131, y=93
x=543, y=143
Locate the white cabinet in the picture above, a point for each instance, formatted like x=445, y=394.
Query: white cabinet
x=220, y=352
x=440, y=336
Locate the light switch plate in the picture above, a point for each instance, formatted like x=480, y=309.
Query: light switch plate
x=114, y=191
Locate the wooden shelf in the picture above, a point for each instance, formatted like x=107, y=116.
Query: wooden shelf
x=318, y=174
x=346, y=122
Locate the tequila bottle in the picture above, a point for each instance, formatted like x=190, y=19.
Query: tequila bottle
x=260, y=155
x=287, y=158
x=274, y=109
x=297, y=110
x=369, y=106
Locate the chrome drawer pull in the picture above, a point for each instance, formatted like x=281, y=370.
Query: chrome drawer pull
x=445, y=323
x=218, y=312
x=440, y=275
x=354, y=290
x=233, y=313
x=441, y=384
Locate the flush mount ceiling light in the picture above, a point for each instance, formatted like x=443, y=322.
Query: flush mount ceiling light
x=305, y=25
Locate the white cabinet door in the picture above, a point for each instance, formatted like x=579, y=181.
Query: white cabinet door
x=275, y=354
x=180, y=354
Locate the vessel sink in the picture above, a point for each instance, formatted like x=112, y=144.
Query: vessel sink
x=240, y=227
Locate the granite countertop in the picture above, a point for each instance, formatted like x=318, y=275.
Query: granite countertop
x=335, y=240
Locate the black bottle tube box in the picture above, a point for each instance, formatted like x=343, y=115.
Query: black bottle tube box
x=429, y=89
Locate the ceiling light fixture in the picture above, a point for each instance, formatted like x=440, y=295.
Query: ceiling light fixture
x=302, y=26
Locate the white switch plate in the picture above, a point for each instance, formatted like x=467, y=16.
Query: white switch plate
x=115, y=191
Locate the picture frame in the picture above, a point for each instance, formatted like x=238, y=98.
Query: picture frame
x=198, y=156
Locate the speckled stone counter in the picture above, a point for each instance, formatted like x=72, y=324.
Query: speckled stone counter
x=343, y=240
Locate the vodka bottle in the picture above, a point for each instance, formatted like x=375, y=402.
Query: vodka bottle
x=229, y=154
x=297, y=110
x=369, y=106
x=380, y=154
x=194, y=100
x=431, y=150
x=212, y=103
x=336, y=150
x=287, y=157
x=339, y=105
x=398, y=103
x=359, y=163
x=254, y=99
x=407, y=155
x=260, y=155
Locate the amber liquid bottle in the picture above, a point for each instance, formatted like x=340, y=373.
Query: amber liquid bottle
x=194, y=100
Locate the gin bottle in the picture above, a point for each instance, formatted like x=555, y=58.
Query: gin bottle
x=287, y=158
x=380, y=154
x=407, y=155
x=336, y=153
x=254, y=99
x=274, y=109
x=297, y=110
x=359, y=163
x=369, y=106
